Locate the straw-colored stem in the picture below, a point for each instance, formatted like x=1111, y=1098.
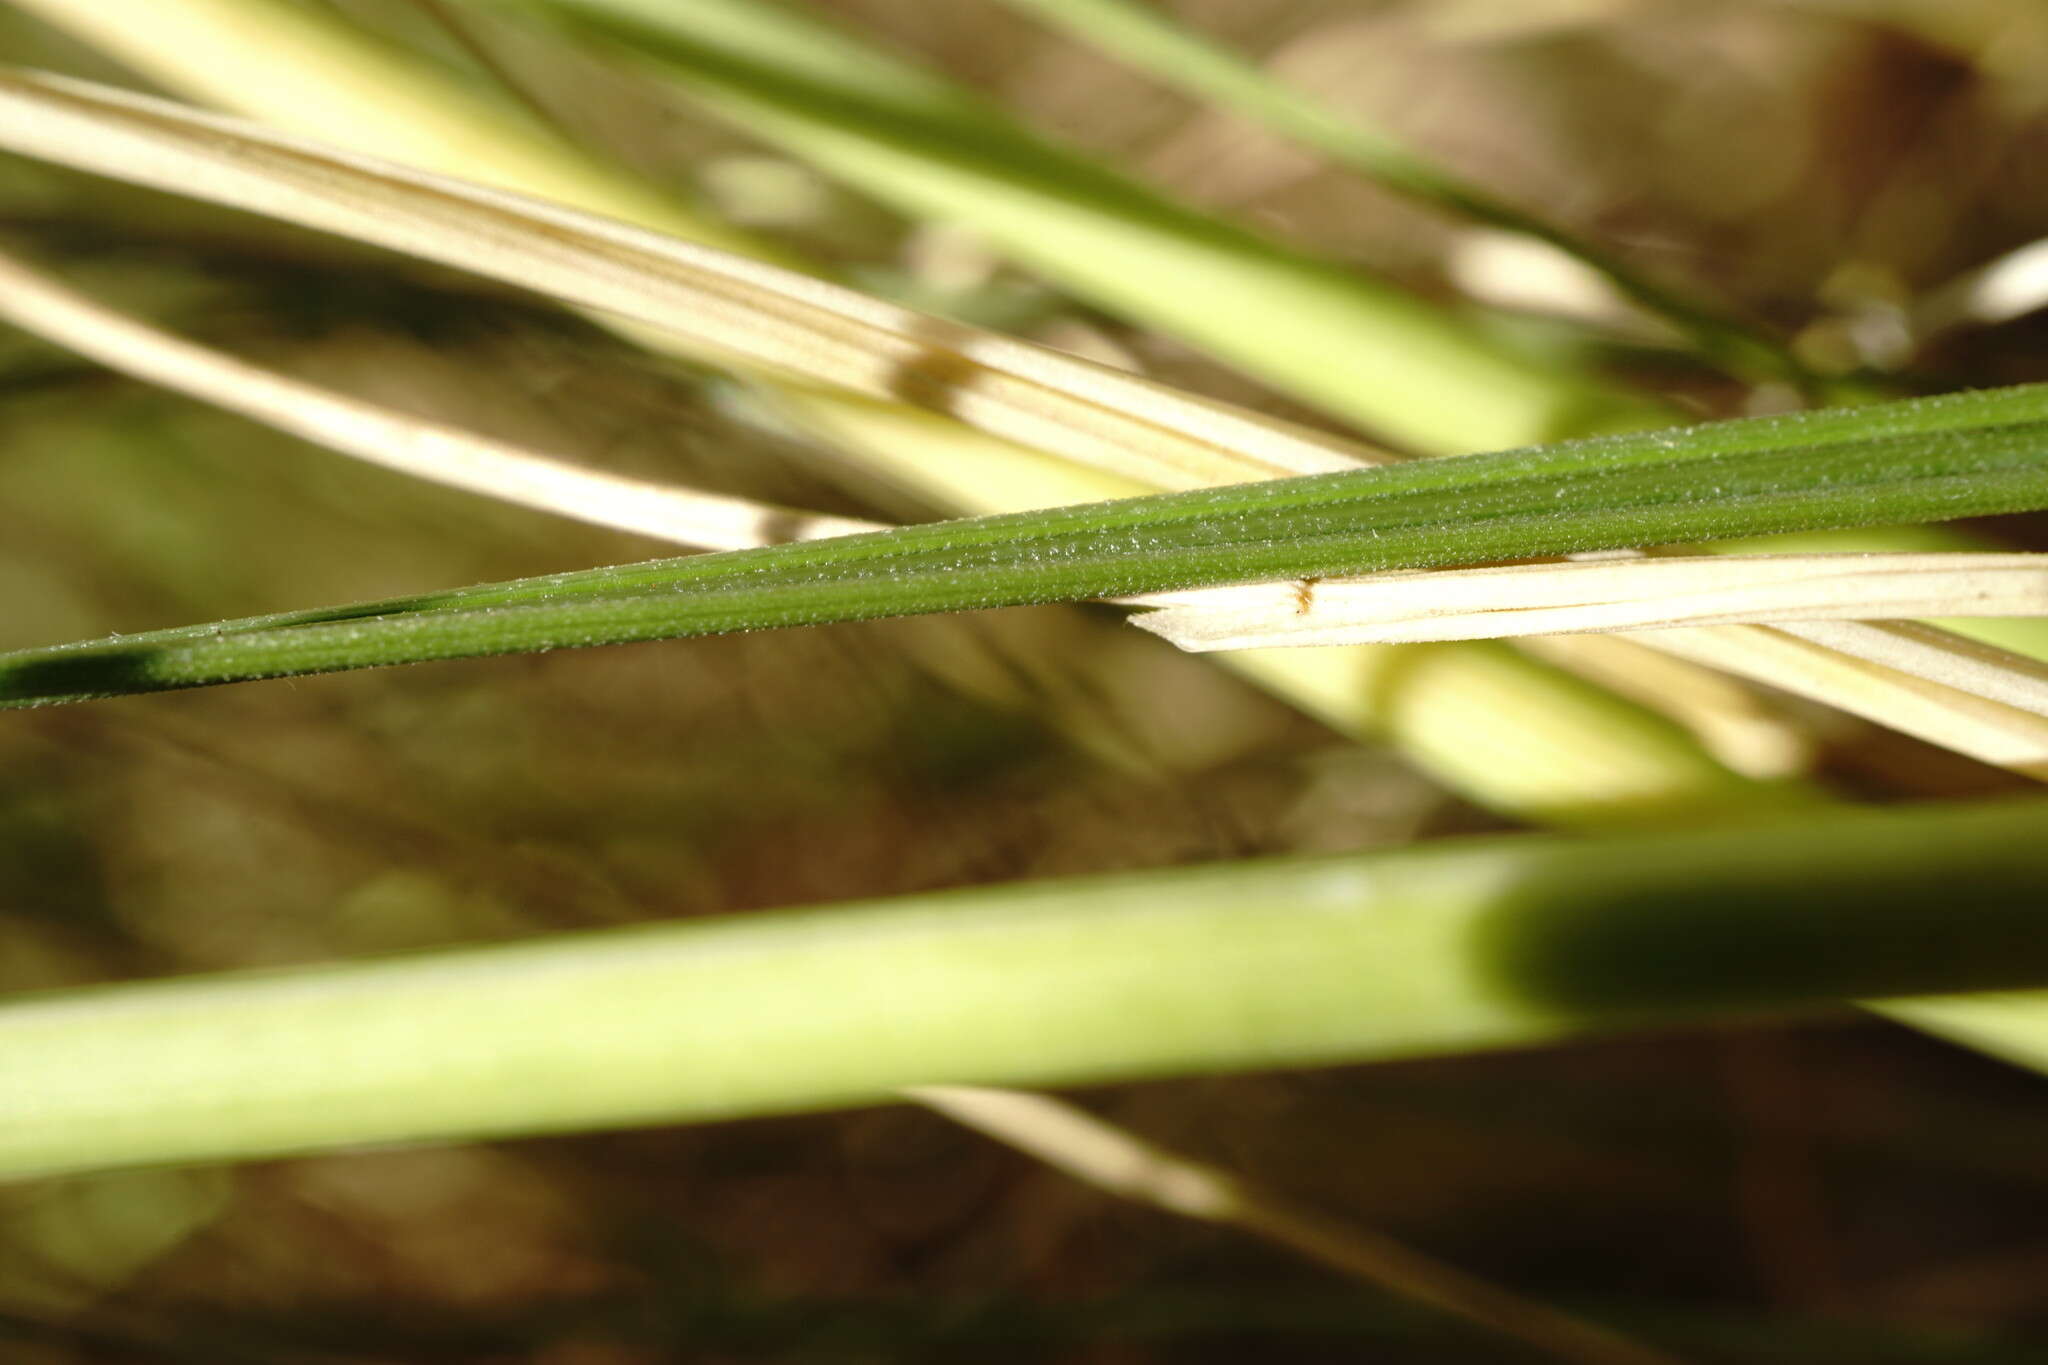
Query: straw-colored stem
x=1101, y=1154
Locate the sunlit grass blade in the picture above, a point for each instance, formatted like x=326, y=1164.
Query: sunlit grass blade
x=747, y=313
x=937, y=152
x=906, y=135
x=312, y=71
x=1180, y=57
x=1584, y=753
x=1828, y=639
x=187, y=25
x=1350, y=344
x=1750, y=732
x=1937, y=655
x=1944, y=456
x=410, y=445
x=1958, y=693
x=2012, y=1025
x=1738, y=478
x=1504, y=601
x=1448, y=948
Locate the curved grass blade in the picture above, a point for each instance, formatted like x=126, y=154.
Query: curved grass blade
x=1732, y=479
x=411, y=445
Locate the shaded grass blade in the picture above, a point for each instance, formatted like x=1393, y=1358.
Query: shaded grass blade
x=1177, y=56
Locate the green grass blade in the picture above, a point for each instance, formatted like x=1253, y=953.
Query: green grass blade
x=1353, y=345
x=1449, y=948
x=1964, y=455
x=1179, y=57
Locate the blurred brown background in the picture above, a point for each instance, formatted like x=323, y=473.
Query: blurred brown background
x=1843, y=1191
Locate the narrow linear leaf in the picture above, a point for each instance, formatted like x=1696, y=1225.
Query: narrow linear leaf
x=1163, y=426
x=1826, y=641
x=1741, y=478
x=1585, y=757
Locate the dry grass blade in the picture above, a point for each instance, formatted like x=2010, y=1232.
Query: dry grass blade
x=1970, y=697
x=1925, y=682
x=410, y=445
x=1631, y=593
x=1111, y=1159
x=1937, y=655
x=1746, y=730
x=740, y=312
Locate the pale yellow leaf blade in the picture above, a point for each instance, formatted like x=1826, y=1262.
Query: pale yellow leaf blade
x=410, y=445
x=736, y=311
x=1499, y=602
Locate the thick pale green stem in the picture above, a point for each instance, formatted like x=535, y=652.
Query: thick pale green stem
x=1450, y=948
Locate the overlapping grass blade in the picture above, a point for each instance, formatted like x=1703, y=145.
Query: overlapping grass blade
x=1995, y=1022
x=398, y=441
x=750, y=314
x=1966, y=696
x=1179, y=57
x=1352, y=345
x=1939, y=458
x=1963, y=694
x=1633, y=594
